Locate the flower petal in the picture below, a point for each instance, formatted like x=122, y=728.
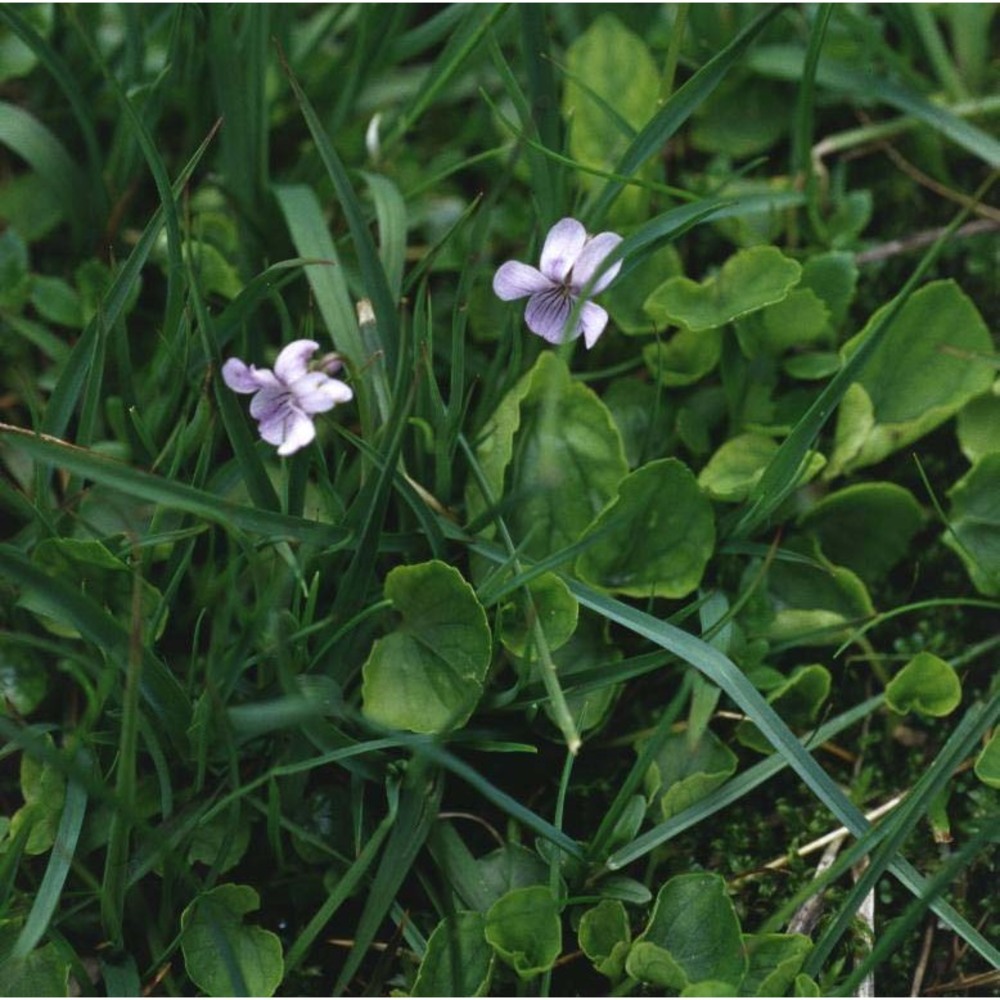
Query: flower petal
x=591, y=258
x=299, y=431
x=288, y=428
x=593, y=320
x=514, y=280
x=293, y=361
x=244, y=378
x=546, y=314
x=269, y=401
x=317, y=393
x=562, y=247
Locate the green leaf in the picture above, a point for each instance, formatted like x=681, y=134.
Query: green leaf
x=42, y=973
x=24, y=682
x=733, y=471
x=524, y=928
x=626, y=300
x=687, y=357
x=43, y=787
x=643, y=414
x=810, y=599
x=655, y=538
x=806, y=986
x=748, y=281
x=974, y=519
x=605, y=937
x=924, y=371
x=586, y=650
x=798, y=320
x=741, y=118
x=98, y=573
x=56, y=301
x=16, y=58
x=552, y=451
x=927, y=685
x=988, y=762
x=683, y=773
x=15, y=282
x=510, y=867
x=23, y=133
x=458, y=961
x=833, y=277
x=612, y=86
x=797, y=700
x=215, y=274
x=170, y=493
x=557, y=610
x=224, y=956
x=774, y=962
x=428, y=675
x=978, y=426
x=220, y=842
x=693, y=936
x=867, y=527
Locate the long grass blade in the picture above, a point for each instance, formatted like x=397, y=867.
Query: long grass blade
x=47, y=898
x=721, y=671
x=680, y=106
x=172, y=495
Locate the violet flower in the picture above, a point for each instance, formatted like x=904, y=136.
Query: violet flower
x=570, y=258
x=286, y=399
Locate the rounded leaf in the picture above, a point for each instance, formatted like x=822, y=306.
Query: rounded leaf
x=427, y=675
x=458, y=961
x=974, y=520
x=524, y=928
x=748, y=281
x=553, y=451
x=867, y=527
x=557, y=611
x=224, y=956
x=988, y=762
x=693, y=932
x=933, y=359
x=927, y=685
x=605, y=937
x=655, y=538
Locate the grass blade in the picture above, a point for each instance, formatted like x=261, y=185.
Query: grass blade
x=681, y=105
x=721, y=671
x=46, y=155
x=172, y=495
x=60, y=859
x=373, y=275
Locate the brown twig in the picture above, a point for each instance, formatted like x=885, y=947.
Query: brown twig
x=922, y=239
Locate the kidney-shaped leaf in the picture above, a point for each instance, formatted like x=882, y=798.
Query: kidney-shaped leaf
x=927, y=684
x=988, y=762
x=693, y=936
x=975, y=523
x=655, y=538
x=427, y=675
x=774, y=962
x=734, y=470
x=458, y=961
x=929, y=365
x=867, y=527
x=523, y=926
x=220, y=950
x=683, y=773
x=552, y=452
x=605, y=937
x=749, y=280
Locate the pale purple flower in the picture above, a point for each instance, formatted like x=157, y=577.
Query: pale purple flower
x=570, y=259
x=286, y=399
